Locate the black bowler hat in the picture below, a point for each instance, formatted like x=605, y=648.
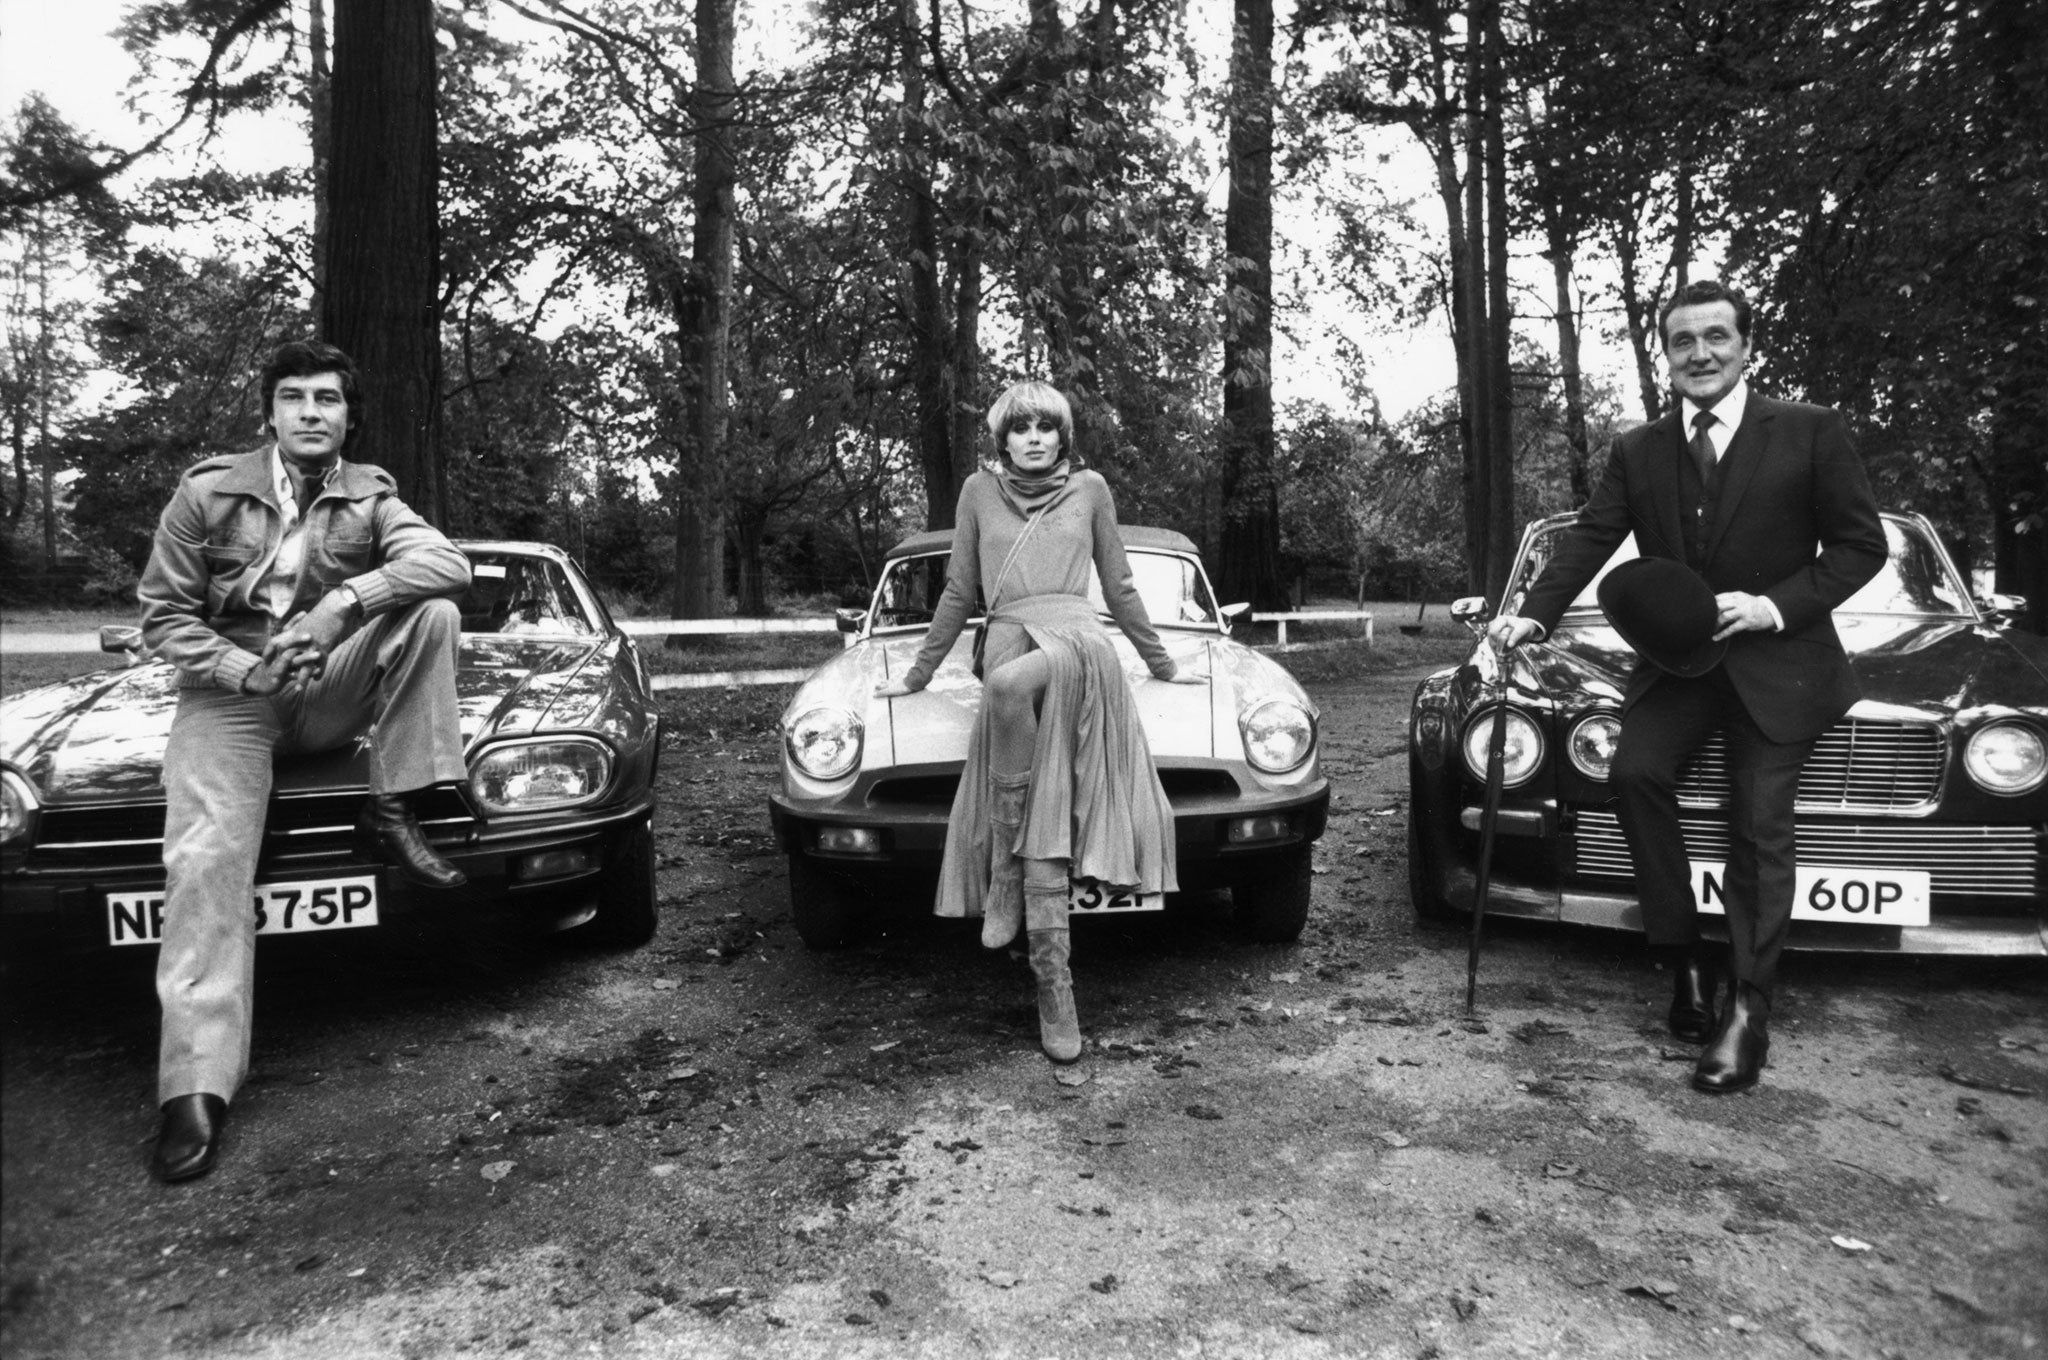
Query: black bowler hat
x=1666, y=611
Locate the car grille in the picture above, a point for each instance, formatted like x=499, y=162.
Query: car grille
x=136, y=832
x=1857, y=766
x=1985, y=861
x=936, y=790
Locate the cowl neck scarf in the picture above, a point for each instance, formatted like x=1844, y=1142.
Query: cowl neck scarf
x=1029, y=494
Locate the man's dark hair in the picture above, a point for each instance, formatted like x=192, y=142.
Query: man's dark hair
x=1701, y=291
x=303, y=359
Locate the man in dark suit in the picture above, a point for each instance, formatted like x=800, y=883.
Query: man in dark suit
x=1767, y=501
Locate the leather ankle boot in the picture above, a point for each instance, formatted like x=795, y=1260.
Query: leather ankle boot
x=1059, y=1026
x=1735, y=1055
x=1696, y=977
x=189, y=1138
x=1002, y=912
x=387, y=833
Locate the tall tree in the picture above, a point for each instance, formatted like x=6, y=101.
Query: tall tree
x=1249, y=563
x=382, y=301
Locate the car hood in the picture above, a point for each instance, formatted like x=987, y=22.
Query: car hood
x=1907, y=666
x=932, y=726
x=101, y=737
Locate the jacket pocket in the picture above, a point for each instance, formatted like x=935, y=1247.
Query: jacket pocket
x=228, y=554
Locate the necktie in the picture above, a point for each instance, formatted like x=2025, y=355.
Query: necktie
x=307, y=487
x=1703, y=447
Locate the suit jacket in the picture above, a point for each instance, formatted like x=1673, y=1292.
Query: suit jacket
x=1794, y=521
x=219, y=536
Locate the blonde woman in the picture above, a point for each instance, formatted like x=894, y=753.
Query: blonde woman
x=1058, y=778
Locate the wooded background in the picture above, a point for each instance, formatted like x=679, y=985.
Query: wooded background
x=724, y=325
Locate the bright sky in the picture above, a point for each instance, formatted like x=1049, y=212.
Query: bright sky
x=62, y=48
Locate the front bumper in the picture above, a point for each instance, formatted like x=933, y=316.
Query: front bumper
x=911, y=837
x=538, y=872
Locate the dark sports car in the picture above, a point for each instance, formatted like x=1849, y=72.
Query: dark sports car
x=552, y=827
x=1921, y=815
x=867, y=783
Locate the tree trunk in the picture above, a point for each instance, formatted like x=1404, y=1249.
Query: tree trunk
x=1641, y=318
x=1250, y=552
x=930, y=371
x=44, y=378
x=1500, y=460
x=970, y=436
x=321, y=105
x=1577, y=442
x=382, y=303
x=1477, y=394
x=706, y=317
x=750, y=586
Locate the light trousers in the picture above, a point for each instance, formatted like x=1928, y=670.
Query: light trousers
x=398, y=672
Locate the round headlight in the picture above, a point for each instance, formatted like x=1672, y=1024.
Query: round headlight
x=1590, y=746
x=2006, y=757
x=17, y=808
x=550, y=772
x=1278, y=735
x=824, y=742
x=1520, y=757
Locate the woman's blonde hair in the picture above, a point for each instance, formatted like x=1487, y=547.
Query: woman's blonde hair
x=1024, y=400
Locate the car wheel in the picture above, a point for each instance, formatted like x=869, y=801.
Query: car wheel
x=1430, y=906
x=827, y=908
x=1273, y=907
x=626, y=904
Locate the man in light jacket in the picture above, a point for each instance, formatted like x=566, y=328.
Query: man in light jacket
x=301, y=601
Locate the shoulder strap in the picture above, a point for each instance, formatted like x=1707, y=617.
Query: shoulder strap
x=1030, y=523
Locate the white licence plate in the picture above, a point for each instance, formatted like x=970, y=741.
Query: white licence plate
x=281, y=909
x=1089, y=898
x=1826, y=892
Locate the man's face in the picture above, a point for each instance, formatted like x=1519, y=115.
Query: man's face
x=310, y=415
x=1705, y=350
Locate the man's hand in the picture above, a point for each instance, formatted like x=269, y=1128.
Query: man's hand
x=892, y=689
x=1510, y=630
x=1743, y=613
x=1183, y=676
x=283, y=666
x=329, y=621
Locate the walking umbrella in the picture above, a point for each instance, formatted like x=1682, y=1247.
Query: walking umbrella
x=1489, y=817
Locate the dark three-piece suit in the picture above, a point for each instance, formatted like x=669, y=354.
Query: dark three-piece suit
x=1786, y=513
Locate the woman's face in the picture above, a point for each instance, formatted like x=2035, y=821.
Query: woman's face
x=1032, y=443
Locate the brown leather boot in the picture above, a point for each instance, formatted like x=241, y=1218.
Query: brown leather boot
x=1059, y=1026
x=1002, y=912
x=387, y=833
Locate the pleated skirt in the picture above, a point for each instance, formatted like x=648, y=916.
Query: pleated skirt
x=1095, y=797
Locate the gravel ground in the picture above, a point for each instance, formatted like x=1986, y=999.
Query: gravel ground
x=724, y=1145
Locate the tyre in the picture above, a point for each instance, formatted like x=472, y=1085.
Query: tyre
x=626, y=903
x=1273, y=907
x=827, y=908
x=1430, y=906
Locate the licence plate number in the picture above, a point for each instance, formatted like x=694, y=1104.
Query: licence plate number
x=280, y=909
x=1827, y=892
x=1086, y=896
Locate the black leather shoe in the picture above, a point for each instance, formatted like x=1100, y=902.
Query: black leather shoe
x=189, y=1138
x=387, y=833
x=1696, y=980
x=1735, y=1055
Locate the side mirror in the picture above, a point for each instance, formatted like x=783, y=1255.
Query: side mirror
x=849, y=620
x=2003, y=609
x=122, y=639
x=1231, y=613
x=1470, y=610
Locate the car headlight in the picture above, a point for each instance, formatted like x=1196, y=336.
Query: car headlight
x=17, y=808
x=1520, y=757
x=1590, y=746
x=547, y=772
x=1278, y=735
x=2006, y=757
x=824, y=742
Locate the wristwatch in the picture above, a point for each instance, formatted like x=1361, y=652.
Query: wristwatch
x=351, y=599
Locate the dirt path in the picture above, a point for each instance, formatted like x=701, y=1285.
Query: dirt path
x=724, y=1145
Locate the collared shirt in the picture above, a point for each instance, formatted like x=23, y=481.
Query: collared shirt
x=281, y=586
x=1727, y=415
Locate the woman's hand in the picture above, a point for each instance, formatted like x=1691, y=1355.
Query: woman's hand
x=892, y=689
x=1183, y=676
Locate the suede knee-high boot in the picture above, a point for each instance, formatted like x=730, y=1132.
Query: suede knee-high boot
x=1002, y=911
x=1045, y=916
